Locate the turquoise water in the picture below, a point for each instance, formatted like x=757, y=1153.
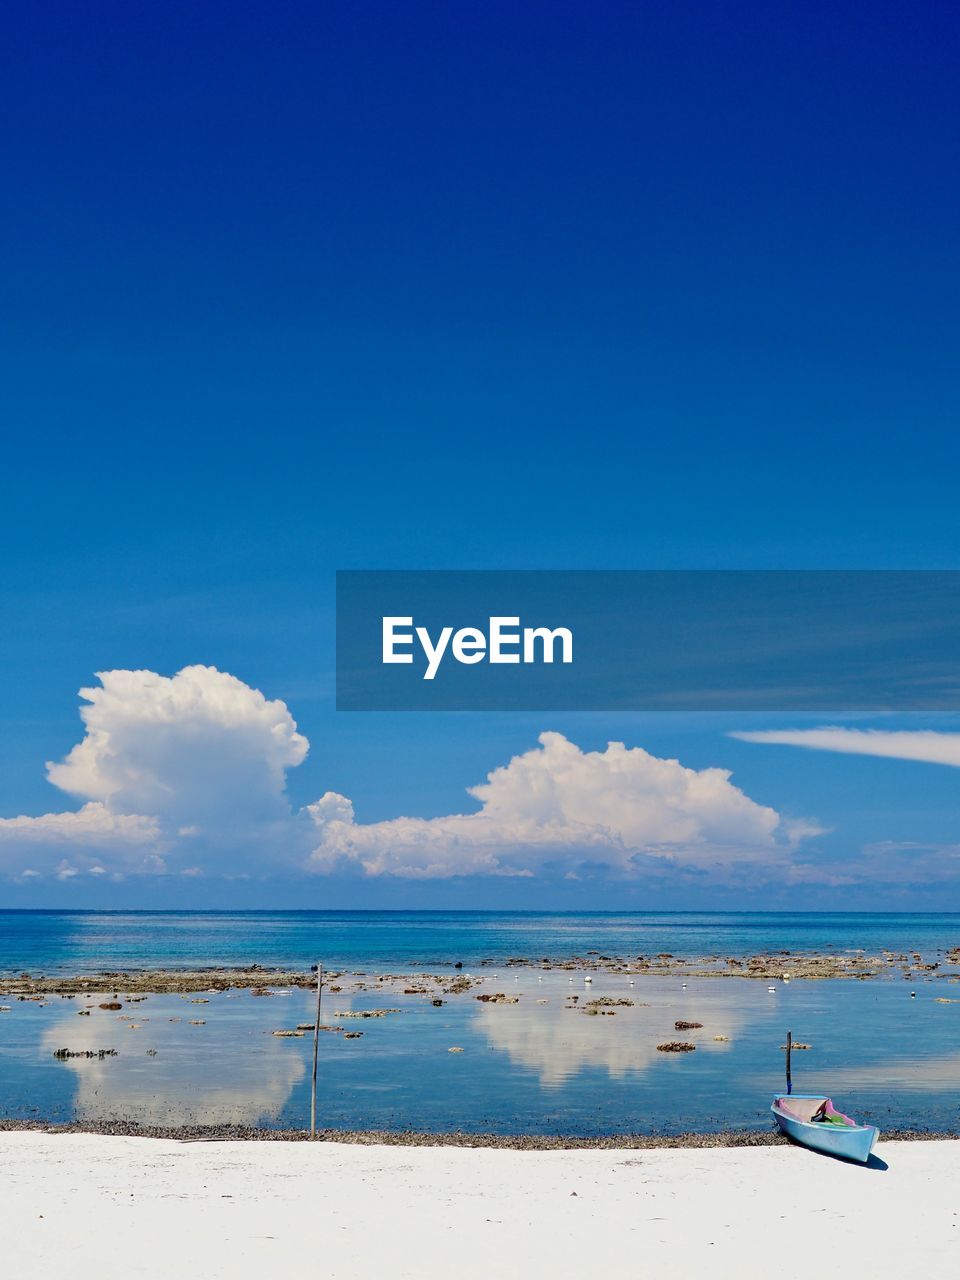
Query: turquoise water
x=69, y=942
x=528, y=1067
x=537, y=1066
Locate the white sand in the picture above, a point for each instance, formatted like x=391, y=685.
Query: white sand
x=84, y=1206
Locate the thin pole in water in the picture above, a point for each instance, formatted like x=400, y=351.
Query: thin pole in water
x=316, y=1045
x=789, y=1051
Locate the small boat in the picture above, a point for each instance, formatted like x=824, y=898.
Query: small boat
x=813, y=1121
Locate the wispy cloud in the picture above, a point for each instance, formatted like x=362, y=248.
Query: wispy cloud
x=901, y=744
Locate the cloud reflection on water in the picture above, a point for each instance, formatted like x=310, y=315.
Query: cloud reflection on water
x=914, y=1074
x=558, y=1042
x=225, y=1081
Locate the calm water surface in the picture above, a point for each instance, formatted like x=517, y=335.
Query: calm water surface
x=536, y=1066
x=72, y=942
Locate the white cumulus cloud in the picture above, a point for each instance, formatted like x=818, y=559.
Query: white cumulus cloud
x=901, y=744
x=91, y=836
x=620, y=807
x=94, y=823
x=186, y=775
x=168, y=766
x=180, y=746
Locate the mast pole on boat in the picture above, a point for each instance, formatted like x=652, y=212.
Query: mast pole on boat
x=789, y=1051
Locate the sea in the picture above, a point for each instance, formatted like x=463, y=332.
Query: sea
x=52, y=942
x=887, y=1049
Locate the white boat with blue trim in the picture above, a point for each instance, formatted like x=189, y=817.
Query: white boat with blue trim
x=813, y=1121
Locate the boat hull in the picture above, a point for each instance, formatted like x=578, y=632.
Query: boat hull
x=848, y=1142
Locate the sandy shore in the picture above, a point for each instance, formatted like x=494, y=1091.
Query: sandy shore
x=106, y=1207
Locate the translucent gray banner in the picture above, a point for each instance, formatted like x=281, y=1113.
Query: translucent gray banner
x=842, y=641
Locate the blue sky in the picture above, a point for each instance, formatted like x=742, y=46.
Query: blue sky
x=430, y=286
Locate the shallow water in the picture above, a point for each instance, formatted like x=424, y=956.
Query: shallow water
x=59, y=941
x=526, y=1067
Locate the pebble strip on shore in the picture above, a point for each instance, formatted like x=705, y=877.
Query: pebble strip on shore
x=410, y=1138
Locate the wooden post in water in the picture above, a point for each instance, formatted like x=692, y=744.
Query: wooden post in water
x=316, y=1045
x=789, y=1051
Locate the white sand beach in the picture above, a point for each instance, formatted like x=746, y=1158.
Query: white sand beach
x=105, y=1207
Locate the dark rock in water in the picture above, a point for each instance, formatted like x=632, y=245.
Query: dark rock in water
x=63, y=1054
x=676, y=1046
x=687, y=1026
x=352, y=1035
x=364, y=1013
x=437, y=1003
x=458, y=986
x=458, y=965
x=83, y=1013
x=111, y=1004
